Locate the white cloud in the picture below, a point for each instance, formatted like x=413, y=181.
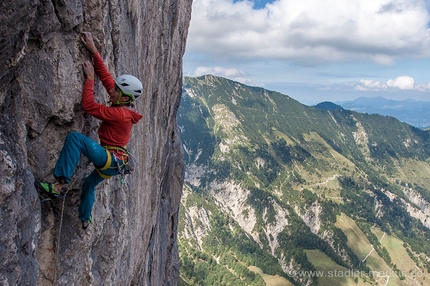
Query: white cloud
x=382, y=59
x=367, y=84
x=219, y=71
x=402, y=82
x=424, y=87
x=310, y=31
x=399, y=83
x=231, y=73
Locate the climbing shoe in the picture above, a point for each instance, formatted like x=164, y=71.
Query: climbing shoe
x=86, y=223
x=47, y=188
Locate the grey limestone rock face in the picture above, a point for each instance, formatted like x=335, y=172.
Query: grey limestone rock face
x=132, y=239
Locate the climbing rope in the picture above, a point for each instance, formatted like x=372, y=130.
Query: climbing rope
x=61, y=221
x=61, y=226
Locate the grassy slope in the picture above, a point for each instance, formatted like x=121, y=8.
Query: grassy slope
x=372, y=149
x=271, y=280
x=412, y=272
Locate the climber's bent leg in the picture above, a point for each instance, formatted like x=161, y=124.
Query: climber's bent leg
x=88, y=195
x=75, y=145
x=88, y=189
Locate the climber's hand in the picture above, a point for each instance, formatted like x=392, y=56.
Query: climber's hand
x=88, y=70
x=88, y=41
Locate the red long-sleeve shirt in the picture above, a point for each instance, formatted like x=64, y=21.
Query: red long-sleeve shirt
x=118, y=121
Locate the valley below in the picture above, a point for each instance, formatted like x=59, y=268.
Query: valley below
x=278, y=193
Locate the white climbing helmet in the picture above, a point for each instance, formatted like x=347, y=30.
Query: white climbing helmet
x=130, y=86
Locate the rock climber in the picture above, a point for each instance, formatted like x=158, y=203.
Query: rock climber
x=110, y=155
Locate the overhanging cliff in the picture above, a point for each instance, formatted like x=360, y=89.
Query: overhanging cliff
x=132, y=239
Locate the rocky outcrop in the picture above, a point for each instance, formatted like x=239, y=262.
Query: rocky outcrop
x=417, y=207
x=132, y=240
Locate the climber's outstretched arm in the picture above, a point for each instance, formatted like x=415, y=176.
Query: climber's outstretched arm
x=99, y=65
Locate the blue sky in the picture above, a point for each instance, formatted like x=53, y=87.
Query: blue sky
x=314, y=50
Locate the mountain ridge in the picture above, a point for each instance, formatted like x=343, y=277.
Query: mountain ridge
x=413, y=112
x=294, y=183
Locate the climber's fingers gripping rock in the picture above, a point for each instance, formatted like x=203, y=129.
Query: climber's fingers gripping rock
x=87, y=40
x=88, y=70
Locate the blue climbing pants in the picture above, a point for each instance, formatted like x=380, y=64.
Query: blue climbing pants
x=75, y=145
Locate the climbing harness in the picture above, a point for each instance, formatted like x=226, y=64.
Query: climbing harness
x=125, y=161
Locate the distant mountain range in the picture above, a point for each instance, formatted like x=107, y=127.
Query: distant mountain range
x=415, y=113
x=279, y=193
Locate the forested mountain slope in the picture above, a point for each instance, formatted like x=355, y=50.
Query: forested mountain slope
x=276, y=190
